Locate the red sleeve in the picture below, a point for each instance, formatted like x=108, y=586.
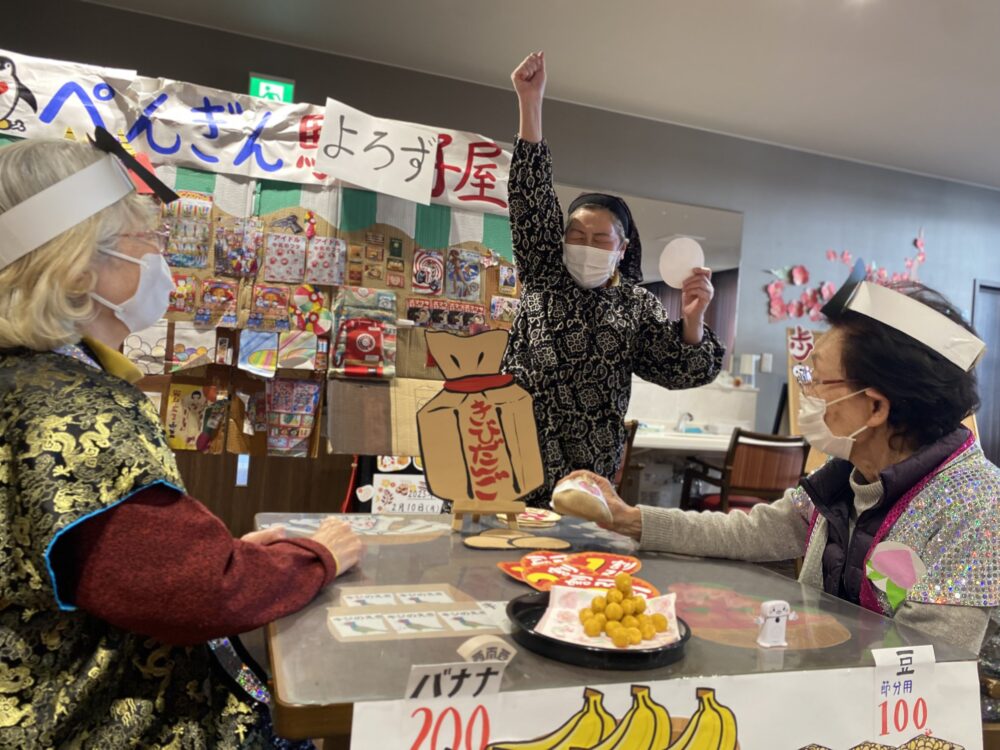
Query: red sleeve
x=162, y=565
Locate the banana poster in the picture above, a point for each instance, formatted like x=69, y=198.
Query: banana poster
x=836, y=709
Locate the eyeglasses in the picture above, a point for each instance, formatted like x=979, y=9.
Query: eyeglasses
x=803, y=375
x=156, y=237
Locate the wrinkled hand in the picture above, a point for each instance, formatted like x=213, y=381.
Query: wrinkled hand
x=696, y=293
x=625, y=519
x=345, y=546
x=529, y=77
x=265, y=536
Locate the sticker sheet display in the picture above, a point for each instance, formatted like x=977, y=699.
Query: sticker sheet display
x=190, y=223
x=292, y=406
x=325, y=260
x=182, y=298
x=464, y=272
x=504, y=309
x=238, y=245
x=270, y=307
x=428, y=273
x=285, y=257
x=218, y=304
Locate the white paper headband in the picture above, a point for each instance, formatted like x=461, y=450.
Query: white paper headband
x=907, y=315
x=45, y=215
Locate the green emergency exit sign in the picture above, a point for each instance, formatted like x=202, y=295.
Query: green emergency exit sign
x=270, y=87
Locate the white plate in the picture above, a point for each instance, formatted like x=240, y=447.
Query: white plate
x=679, y=258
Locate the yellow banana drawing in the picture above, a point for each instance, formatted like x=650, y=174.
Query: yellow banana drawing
x=646, y=726
x=713, y=726
x=584, y=729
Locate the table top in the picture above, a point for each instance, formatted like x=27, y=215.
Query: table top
x=311, y=668
x=682, y=442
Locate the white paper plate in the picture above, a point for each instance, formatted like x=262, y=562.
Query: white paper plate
x=678, y=259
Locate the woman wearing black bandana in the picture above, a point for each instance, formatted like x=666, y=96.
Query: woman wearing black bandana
x=585, y=325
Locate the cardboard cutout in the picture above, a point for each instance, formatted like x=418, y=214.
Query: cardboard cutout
x=477, y=436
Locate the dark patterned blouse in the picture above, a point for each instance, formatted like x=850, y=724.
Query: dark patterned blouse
x=574, y=349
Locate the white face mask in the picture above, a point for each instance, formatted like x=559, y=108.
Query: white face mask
x=590, y=267
x=152, y=295
x=813, y=426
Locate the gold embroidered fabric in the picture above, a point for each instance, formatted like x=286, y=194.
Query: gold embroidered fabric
x=74, y=441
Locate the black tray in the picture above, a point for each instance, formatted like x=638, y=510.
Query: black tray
x=525, y=611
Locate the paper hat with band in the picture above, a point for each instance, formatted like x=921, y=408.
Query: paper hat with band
x=907, y=315
x=59, y=207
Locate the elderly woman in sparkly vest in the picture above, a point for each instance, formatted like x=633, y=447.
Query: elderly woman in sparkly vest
x=905, y=516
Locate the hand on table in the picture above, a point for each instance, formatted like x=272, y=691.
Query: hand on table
x=625, y=519
x=345, y=546
x=265, y=536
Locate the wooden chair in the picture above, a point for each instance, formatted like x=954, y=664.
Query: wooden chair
x=758, y=468
x=631, y=427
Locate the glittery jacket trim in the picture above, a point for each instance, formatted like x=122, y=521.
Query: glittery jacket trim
x=951, y=519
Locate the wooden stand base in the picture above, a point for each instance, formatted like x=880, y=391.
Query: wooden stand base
x=462, y=508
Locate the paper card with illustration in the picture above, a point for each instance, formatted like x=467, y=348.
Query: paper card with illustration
x=297, y=350
x=310, y=310
x=186, y=407
x=375, y=238
x=147, y=349
x=238, y=246
x=479, y=443
x=395, y=247
x=468, y=619
x=358, y=626
x=403, y=493
x=373, y=599
x=182, y=298
x=503, y=309
x=508, y=279
x=258, y=352
x=355, y=253
x=395, y=279
x=415, y=622
x=325, y=259
x=219, y=299
x=269, y=309
x=432, y=596
x=464, y=271
x=395, y=264
x=189, y=220
x=374, y=272
x=374, y=253
x=194, y=346
x=285, y=257
x=428, y=273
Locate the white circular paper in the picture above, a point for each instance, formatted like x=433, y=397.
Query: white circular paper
x=679, y=258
